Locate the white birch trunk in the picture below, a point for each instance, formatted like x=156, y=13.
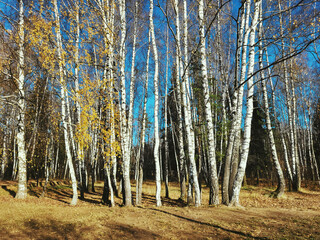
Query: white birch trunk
x=4, y=154
x=166, y=145
x=236, y=101
x=182, y=159
x=79, y=153
x=187, y=111
x=63, y=105
x=156, y=107
x=112, y=122
x=289, y=106
x=22, y=158
x=123, y=116
x=15, y=160
x=143, y=131
x=281, y=182
x=133, y=77
x=242, y=70
x=213, y=179
x=248, y=119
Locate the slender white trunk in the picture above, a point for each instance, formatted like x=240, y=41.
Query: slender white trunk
x=242, y=70
x=283, y=142
x=236, y=101
x=63, y=104
x=79, y=152
x=15, y=160
x=289, y=104
x=187, y=110
x=281, y=182
x=22, y=158
x=213, y=179
x=166, y=145
x=123, y=115
x=133, y=76
x=156, y=107
x=248, y=119
x=182, y=159
x=4, y=156
x=56, y=162
x=143, y=131
x=112, y=122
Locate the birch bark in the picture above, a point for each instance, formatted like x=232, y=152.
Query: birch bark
x=281, y=182
x=4, y=160
x=78, y=150
x=63, y=105
x=248, y=119
x=187, y=112
x=289, y=106
x=236, y=101
x=213, y=179
x=143, y=130
x=156, y=107
x=166, y=145
x=123, y=115
x=133, y=77
x=22, y=158
x=182, y=159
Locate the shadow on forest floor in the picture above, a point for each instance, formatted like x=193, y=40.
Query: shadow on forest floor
x=203, y=223
x=12, y=193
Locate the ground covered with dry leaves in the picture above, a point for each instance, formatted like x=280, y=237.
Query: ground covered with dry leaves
x=295, y=216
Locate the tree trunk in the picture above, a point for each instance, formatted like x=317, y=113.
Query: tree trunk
x=156, y=107
x=213, y=179
x=4, y=155
x=166, y=145
x=22, y=159
x=236, y=103
x=143, y=131
x=295, y=182
x=63, y=105
x=248, y=119
x=281, y=182
x=123, y=115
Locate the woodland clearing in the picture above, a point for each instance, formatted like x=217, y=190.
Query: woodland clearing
x=294, y=216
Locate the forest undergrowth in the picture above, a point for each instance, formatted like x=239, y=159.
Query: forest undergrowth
x=294, y=216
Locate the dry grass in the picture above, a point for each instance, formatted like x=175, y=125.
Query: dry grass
x=295, y=216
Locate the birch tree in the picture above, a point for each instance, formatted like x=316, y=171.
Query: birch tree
x=22, y=160
x=63, y=89
x=248, y=119
x=213, y=179
x=281, y=182
x=143, y=130
x=123, y=115
x=233, y=139
x=289, y=103
x=156, y=107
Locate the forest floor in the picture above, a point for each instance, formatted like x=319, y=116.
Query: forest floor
x=294, y=216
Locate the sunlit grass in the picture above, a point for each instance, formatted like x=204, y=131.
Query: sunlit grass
x=295, y=216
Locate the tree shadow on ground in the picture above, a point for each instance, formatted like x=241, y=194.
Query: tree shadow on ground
x=151, y=200
x=125, y=231
x=65, y=196
x=247, y=235
x=11, y=192
x=51, y=229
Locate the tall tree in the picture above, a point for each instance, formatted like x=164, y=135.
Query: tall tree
x=248, y=119
x=63, y=89
x=22, y=159
x=213, y=178
x=156, y=106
